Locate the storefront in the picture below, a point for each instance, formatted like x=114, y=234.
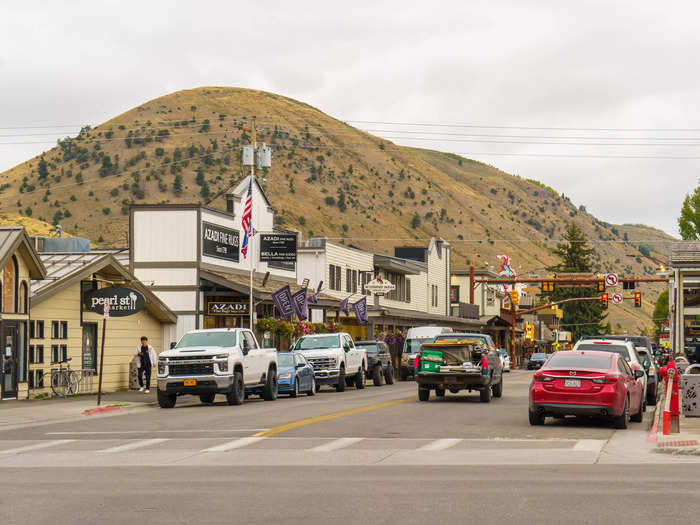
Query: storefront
x=20, y=264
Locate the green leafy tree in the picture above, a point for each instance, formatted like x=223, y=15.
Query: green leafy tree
x=689, y=221
x=660, y=311
x=581, y=317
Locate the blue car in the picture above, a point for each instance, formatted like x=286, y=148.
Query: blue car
x=294, y=374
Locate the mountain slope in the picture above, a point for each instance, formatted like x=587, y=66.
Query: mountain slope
x=327, y=178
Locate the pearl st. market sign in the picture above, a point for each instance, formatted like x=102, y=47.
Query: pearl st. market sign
x=122, y=301
x=220, y=242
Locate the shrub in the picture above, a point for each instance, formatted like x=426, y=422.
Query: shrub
x=159, y=152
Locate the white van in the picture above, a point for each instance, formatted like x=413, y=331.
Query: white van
x=411, y=347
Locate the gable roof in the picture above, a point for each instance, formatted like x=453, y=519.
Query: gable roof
x=242, y=189
x=67, y=269
x=15, y=238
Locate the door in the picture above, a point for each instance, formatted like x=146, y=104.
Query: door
x=9, y=360
x=90, y=346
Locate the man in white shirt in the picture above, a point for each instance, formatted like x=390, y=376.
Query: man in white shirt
x=145, y=359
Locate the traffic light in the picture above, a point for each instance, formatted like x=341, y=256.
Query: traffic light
x=604, y=300
x=601, y=283
x=637, y=299
x=548, y=285
x=514, y=297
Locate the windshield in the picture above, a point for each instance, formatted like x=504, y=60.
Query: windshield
x=539, y=356
x=412, y=346
x=313, y=343
x=207, y=339
x=483, y=339
x=371, y=349
x=618, y=349
x=285, y=359
x=595, y=362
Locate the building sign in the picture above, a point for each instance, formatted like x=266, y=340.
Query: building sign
x=220, y=242
x=122, y=301
x=454, y=293
x=278, y=247
x=228, y=308
x=379, y=286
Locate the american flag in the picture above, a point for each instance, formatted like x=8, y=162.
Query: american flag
x=247, y=220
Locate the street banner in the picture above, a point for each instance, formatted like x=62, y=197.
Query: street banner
x=360, y=308
x=313, y=298
x=344, y=306
x=283, y=301
x=301, y=308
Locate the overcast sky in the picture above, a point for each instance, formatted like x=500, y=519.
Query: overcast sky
x=519, y=70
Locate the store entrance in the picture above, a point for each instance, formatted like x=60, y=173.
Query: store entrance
x=9, y=360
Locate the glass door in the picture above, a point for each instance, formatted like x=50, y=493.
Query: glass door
x=9, y=360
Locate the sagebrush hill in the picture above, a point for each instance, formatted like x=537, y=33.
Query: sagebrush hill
x=327, y=179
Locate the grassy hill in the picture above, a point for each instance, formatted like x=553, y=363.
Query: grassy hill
x=327, y=178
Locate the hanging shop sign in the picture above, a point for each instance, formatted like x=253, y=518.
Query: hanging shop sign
x=278, y=247
x=379, y=286
x=114, y=301
x=220, y=242
x=228, y=308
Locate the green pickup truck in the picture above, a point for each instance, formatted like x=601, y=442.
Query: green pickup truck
x=459, y=365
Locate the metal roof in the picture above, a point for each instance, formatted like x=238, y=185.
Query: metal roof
x=685, y=253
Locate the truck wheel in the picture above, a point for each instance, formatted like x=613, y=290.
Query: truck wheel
x=423, y=394
x=498, y=389
x=377, y=375
x=485, y=394
x=340, y=387
x=270, y=390
x=313, y=390
x=295, y=389
x=237, y=393
x=207, y=399
x=389, y=375
x=403, y=375
x=440, y=392
x=166, y=400
x=360, y=379
x=535, y=419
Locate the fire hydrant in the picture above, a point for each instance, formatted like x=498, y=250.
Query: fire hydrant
x=671, y=414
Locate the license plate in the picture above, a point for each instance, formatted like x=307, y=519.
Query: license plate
x=572, y=383
x=190, y=382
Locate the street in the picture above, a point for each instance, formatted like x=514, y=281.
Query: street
x=371, y=456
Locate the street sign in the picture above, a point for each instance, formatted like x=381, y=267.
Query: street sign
x=617, y=298
x=611, y=279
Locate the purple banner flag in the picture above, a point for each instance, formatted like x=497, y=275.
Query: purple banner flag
x=360, y=308
x=283, y=301
x=344, y=306
x=313, y=298
x=301, y=308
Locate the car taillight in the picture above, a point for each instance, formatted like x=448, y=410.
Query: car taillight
x=484, y=366
x=416, y=363
x=543, y=378
x=604, y=380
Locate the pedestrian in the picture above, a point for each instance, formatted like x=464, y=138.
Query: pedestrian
x=697, y=353
x=145, y=359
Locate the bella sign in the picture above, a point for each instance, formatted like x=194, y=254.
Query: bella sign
x=122, y=301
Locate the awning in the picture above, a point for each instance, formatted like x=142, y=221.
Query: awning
x=403, y=266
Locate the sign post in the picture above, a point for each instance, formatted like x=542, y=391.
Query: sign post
x=102, y=350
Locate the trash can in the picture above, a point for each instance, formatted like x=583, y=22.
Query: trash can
x=690, y=383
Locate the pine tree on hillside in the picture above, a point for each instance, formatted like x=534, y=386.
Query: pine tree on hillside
x=583, y=317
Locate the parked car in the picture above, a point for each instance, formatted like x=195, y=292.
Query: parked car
x=536, y=361
x=411, y=346
x=505, y=359
x=652, y=377
x=225, y=361
x=295, y=374
x=379, y=365
x=623, y=347
x=335, y=359
x=586, y=383
x=459, y=365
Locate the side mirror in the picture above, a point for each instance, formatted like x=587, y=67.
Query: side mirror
x=638, y=374
x=346, y=347
x=300, y=365
x=172, y=345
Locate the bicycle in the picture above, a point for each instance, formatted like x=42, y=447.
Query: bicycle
x=64, y=381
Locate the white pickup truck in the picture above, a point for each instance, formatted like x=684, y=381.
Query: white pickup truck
x=225, y=361
x=335, y=358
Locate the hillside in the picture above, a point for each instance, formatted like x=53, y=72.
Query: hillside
x=327, y=178
x=33, y=226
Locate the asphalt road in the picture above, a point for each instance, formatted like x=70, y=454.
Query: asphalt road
x=370, y=456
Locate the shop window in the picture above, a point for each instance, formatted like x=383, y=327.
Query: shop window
x=63, y=330
x=54, y=330
x=350, y=280
x=334, y=280
x=54, y=354
x=32, y=329
x=39, y=379
x=40, y=329
x=9, y=285
x=39, y=354
x=31, y=354
x=30, y=380
x=63, y=352
x=23, y=298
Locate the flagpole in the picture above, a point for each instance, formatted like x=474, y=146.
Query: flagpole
x=250, y=227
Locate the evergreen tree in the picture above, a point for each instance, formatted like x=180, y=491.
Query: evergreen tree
x=583, y=317
x=43, y=169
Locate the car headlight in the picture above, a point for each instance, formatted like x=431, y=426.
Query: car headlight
x=223, y=366
x=285, y=376
x=162, y=367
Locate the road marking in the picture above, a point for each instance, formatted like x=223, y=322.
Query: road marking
x=153, y=432
x=236, y=443
x=440, y=444
x=336, y=444
x=131, y=446
x=309, y=421
x=45, y=444
x=591, y=445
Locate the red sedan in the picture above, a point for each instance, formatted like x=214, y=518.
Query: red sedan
x=586, y=384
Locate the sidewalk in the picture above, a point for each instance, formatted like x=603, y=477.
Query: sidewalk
x=34, y=412
x=686, y=442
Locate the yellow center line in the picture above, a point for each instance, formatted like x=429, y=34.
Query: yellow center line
x=335, y=415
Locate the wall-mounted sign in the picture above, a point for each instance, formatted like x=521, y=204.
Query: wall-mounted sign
x=122, y=301
x=278, y=247
x=220, y=242
x=228, y=308
x=454, y=293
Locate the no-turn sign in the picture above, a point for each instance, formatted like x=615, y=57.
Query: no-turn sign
x=611, y=279
x=617, y=298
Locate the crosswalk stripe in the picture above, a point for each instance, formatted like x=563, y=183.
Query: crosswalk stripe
x=236, y=443
x=37, y=446
x=336, y=444
x=440, y=444
x=133, y=445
